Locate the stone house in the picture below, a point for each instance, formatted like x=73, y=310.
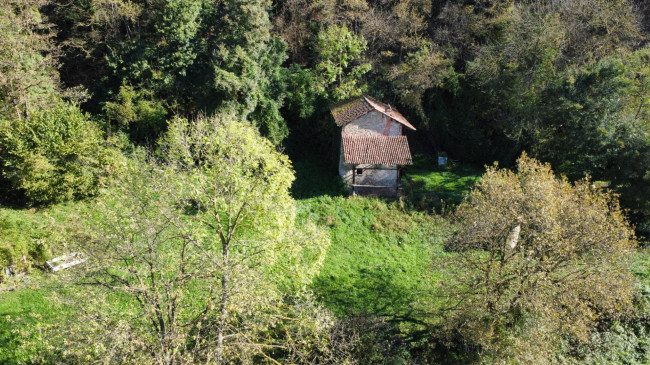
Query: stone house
x=373, y=149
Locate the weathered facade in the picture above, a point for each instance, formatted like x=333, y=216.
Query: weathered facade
x=373, y=149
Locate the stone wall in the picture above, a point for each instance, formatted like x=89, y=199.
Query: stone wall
x=375, y=177
x=371, y=124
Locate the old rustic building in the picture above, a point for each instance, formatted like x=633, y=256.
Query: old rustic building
x=373, y=149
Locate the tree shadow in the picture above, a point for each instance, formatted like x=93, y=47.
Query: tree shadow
x=377, y=291
x=315, y=177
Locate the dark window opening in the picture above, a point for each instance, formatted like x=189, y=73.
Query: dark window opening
x=359, y=171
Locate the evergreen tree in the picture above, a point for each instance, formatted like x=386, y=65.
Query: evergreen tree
x=28, y=64
x=241, y=65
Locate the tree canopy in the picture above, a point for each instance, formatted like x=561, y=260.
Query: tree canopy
x=158, y=139
x=538, y=256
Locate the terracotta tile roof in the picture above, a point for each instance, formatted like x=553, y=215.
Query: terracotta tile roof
x=350, y=110
x=388, y=111
x=375, y=150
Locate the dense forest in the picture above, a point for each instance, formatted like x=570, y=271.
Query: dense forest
x=185, y=151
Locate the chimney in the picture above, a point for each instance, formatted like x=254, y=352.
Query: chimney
x=388, y=108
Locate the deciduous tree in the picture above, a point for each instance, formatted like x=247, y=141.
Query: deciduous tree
x=28, y=59
x=540, y=259
x=197, y=259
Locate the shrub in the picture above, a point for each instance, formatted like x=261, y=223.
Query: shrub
x=57, y=154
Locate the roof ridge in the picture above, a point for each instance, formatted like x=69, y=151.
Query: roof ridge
x=345, y=111
x=375, y=136
x=387, y=110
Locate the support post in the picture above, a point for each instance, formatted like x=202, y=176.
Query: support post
x=399, y=171
x=354, y=175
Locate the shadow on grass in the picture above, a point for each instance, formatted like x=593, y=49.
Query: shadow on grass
x=315, y=177
x=378, y=291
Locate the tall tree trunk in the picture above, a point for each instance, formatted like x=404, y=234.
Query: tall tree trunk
x=223, y=309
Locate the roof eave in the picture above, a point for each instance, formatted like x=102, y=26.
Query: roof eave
x=370, y=100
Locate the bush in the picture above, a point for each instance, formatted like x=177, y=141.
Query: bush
x=199, y=261
x=57, y=154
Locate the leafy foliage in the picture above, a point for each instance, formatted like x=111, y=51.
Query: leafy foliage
x=539, y=259
x=135, y=112
x=244, y=61
x=188, y=261
x=568, y=81
x=337, y=61
x=28, y=77
x=422, y=70
x=55, y=155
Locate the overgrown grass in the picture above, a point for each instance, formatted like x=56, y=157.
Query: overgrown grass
x=38, y=234
x=384, y=260
x=380, y=260
x=382, y=272
x=22, y=312
x=380, y=263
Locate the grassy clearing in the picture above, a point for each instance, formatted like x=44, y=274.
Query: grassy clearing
x=380, y=259
x=22, y=312
x=641, y=269
x=386, y=258
x=39, y=234
x=386, y=261
x=429, y=186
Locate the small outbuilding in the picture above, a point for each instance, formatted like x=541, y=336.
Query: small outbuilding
x=373, y=148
